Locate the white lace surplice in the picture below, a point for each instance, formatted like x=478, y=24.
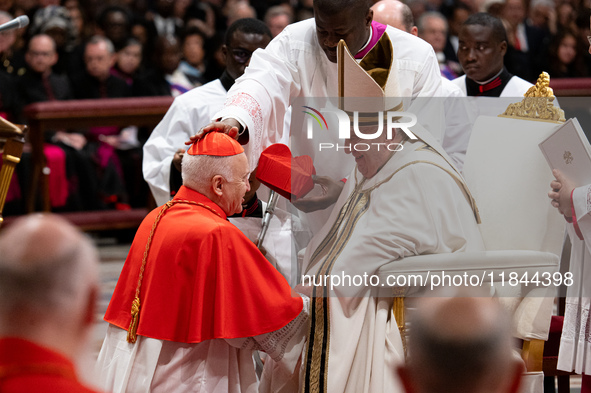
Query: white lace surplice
x=212, y=366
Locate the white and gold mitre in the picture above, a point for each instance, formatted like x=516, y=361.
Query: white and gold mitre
x=370, y=85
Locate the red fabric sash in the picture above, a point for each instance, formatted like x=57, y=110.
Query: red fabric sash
x=58, y=181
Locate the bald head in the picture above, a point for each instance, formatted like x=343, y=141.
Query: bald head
x=433, y=29
x=240, y=10
x=41, y=53
x=461, y=344
x=394, y=13
x=48, y=280
x=224, y=180
x=50, y=258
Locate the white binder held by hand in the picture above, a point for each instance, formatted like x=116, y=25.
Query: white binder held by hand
x=568, y=150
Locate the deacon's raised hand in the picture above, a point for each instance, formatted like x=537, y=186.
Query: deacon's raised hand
x=331, y=190
x=227, y=126
x=560, y=193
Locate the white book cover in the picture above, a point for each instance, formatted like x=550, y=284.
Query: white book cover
x=567, y=149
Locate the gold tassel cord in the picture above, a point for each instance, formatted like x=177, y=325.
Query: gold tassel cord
x=135, y=305
x=135, y=316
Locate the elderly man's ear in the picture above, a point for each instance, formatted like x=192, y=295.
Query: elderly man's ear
x=216, y=184
x=90, y=312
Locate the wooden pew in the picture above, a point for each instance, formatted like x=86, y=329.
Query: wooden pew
x=54, y=115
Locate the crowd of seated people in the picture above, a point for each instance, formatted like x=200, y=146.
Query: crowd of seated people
x=80, y=50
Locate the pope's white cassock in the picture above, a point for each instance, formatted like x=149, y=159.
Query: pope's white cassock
x=575, y=342
x=294, y=65
x=416, y=204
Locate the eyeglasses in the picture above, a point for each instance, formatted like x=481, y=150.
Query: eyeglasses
x=241, y=55
x=244, y=180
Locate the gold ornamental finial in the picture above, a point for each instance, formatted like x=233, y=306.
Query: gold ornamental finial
x=541, y=88
x=537, y=103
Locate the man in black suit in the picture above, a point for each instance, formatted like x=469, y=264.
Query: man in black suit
x=526, y=50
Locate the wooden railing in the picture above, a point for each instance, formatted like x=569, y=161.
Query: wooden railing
x=12, y=141
x=571, y=87
x=54, y=115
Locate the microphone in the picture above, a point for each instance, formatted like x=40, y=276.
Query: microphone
x=16, y=23
x=273, y=198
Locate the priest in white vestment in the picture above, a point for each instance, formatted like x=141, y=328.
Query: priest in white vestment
x=301, y=62
x=194, y=109
x=575, y=342
x=483, y=45
x=294, y=65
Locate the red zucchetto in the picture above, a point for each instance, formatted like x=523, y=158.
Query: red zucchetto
x=215, y=144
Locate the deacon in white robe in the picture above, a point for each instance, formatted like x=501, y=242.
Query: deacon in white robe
x=294, y=65
x=489, y=86
x=195, y=109
x=513, y=92
x=416, y=203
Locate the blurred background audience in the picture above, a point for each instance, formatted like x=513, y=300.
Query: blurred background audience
x=167, y=47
